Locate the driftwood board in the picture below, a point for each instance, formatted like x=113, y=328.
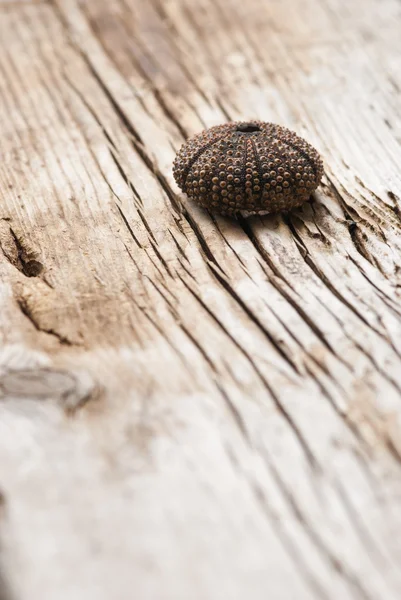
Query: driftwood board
x=195, y=408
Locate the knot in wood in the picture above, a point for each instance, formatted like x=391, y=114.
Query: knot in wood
x=248, y=166
x=69, y=389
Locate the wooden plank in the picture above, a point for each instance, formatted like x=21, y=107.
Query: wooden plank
x=195, y=407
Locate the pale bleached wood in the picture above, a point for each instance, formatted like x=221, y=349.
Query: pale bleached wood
x=192, y=407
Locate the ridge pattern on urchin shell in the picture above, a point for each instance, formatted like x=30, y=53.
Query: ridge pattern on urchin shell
x=248, y=166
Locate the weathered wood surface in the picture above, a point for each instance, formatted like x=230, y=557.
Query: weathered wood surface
x=191, y=407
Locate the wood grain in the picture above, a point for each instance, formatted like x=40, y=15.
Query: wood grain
x=190, y=406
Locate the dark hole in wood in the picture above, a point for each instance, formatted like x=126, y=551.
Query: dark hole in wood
x=33, y=268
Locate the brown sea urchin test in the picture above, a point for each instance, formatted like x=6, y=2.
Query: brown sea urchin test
x=248, y=166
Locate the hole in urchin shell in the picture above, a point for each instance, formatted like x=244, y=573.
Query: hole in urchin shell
x=247, y=128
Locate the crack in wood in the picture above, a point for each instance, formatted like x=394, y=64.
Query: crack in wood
x=29, y=314
x=23, y=258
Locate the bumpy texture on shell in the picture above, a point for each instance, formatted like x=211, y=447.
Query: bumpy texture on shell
x=249, y=166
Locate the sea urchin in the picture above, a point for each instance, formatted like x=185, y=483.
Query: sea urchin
x=248, y=166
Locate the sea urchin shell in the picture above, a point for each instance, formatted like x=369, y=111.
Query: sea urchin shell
x=248, y=166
